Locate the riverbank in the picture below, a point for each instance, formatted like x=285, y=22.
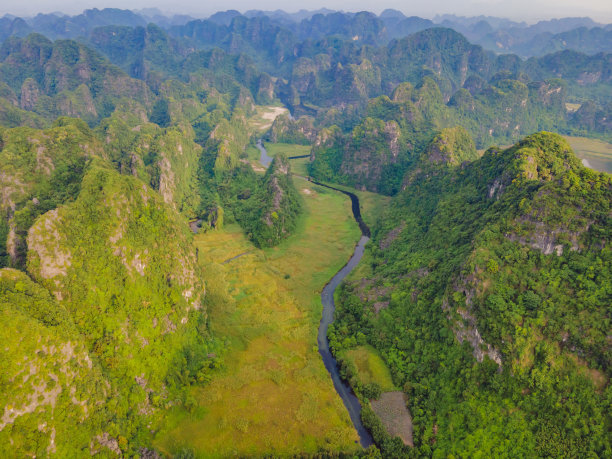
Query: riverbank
x=274, y=395
x=351, y=402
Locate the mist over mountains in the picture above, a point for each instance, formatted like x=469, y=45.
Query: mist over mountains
x=492, y=33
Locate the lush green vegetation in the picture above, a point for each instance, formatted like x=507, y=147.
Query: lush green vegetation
x=63, y=400
x=41, y=170
x=484, y=296
x=379, y=150
x=366, y=371
x=266, y=303
x=67, y=79
x=507, y=248
x=124, y=303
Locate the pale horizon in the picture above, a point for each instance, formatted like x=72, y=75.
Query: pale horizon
x=598, y=10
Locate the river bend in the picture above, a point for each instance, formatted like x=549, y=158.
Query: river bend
x=347, y=395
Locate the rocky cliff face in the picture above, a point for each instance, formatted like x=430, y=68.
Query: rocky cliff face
x=72, y=79
x=40, y=170
x=282, y=205
x=506, y=261
x=452, y=146
x=54, y=391
x=373, y=147
x=29, y=94
x=165, y=159
x=300, y=131
x=369, y=158
x=119, y=252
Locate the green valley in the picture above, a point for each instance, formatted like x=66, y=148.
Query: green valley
x=594, y=153
x=266, y=304
x=310, y=234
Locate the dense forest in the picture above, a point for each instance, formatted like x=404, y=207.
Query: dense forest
x=483, y=298
x=492, y=280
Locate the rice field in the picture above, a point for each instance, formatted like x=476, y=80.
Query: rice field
x=594, y=153
x=273, y=395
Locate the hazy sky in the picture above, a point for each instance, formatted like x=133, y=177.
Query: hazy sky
x=528, y=10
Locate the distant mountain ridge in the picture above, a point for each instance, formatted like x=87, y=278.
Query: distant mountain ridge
x=483, y=292
x=496, y=34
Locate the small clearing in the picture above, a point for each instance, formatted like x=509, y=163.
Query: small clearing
x=371, y=368
x=265, y=116
x=392, y=411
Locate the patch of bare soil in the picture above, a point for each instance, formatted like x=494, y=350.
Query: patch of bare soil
x=392, y=411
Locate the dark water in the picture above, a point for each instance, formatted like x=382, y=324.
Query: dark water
x=264, y=159
x=195, y=225
x=355, y=206
x=327, y=298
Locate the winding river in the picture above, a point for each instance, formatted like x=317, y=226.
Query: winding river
x=264, y=159
x=344, y=390
x=327, y=298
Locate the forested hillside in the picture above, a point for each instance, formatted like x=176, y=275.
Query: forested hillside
x=488, y=296
x=94, y=217
x=154, y=272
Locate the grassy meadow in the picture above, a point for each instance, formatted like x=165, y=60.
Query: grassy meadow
x=273, y=395
x=298, y=166
x=372, y=204
x=370, y=367
x=596, y=154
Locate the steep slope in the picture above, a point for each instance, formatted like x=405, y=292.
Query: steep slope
x=63, y=26
x=287, y=130
x=118, y=260
x=121, y=262
x=266, y=207
x=138, y=50
x=65, y=78
x=166, y=159
x=392, y=133
x=451, y=146
x=282, y=204
x=492, y=290
x=54, y=397
x=40, y=169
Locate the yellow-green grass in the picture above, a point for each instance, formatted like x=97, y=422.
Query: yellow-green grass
x=372, y=205
x=252, y=153
x=572, y=107
x=264, y=116
x=298, y=166
x=370, y=367
x=288, y=149
x=273, y=396
x=596, y=154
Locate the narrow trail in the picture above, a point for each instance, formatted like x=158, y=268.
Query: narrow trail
x=236, y=256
